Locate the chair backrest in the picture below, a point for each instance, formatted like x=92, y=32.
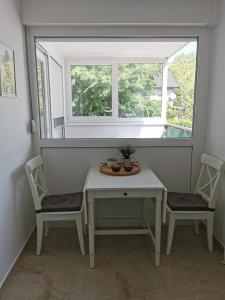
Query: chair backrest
x=34, y=170
x=209, y=177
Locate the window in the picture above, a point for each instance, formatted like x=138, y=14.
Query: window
x=182, y=69
x=138, y=95
x=43, y=94
x=91, y=90
x=133, y=96
x=112, y=84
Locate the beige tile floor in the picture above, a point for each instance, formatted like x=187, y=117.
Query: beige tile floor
x=124, y=269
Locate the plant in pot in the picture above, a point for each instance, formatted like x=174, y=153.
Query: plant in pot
x=127, y=151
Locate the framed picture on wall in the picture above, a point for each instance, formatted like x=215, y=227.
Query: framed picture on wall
x=7, y=72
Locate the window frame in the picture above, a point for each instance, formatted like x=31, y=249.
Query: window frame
x=93, y=32
x=42, y=56
x=114, y=119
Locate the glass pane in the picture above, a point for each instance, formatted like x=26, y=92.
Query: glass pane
x=41, y=95
x=140, y=90
x=91, y=90
x=182, y=67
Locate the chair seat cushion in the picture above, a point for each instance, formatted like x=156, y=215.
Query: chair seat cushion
x=62, y=203
x=187, y=202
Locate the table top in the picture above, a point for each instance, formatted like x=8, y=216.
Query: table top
x=146, y=180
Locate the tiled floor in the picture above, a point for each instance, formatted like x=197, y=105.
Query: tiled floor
x=124, y=270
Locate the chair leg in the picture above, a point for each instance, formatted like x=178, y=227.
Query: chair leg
x=80, y=233
x=40, y=224
x=196, y=227
x=84, y=226
x=85, y=213
x=210, y=221
x=170, y=233
x=46, y=229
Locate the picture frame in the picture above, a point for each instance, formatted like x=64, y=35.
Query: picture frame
x=7, y=72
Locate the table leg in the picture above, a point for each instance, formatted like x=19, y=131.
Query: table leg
x=158, y=227
x=91, y=228
x=143, y=213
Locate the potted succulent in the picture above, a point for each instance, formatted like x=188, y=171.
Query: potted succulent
x=111, y=161
x=127, y=151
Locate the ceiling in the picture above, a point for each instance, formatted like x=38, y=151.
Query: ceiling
x=151, y=49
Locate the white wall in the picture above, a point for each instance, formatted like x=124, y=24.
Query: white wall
x=16, y=208
x=119, y=11
x=215, y=138
x=113, y=131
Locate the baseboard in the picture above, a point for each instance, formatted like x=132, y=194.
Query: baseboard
x=17, y=256
x=219, y=240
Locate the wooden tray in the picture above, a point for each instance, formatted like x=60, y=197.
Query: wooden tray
x=108, y=171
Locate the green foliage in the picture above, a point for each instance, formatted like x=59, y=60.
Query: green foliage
x=185, y=122
x=91, y=90
x=137, y=93
x=136, y=86
x=183, y=69
x=127, y=150
x=40, y=87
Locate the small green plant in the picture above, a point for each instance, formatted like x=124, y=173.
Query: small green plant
x=127, y=151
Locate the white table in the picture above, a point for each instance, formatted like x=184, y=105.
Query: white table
x=144, y=185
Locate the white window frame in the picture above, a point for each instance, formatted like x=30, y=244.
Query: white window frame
x=79, y=33
x=114, y=119
x=43, y=57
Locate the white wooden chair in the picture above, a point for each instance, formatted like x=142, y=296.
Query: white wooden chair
x=53, y=207
x=196, y=206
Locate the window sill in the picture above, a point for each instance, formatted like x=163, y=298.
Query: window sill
x=155, y=122
x=115, y=142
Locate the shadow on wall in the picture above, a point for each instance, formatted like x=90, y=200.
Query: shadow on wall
x=23, y=202
x=220, y=213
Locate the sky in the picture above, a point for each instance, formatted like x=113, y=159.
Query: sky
x=190, y=47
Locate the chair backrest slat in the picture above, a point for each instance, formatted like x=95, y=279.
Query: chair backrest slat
x=211, y=161
x=34, y=170
x=209, y=177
